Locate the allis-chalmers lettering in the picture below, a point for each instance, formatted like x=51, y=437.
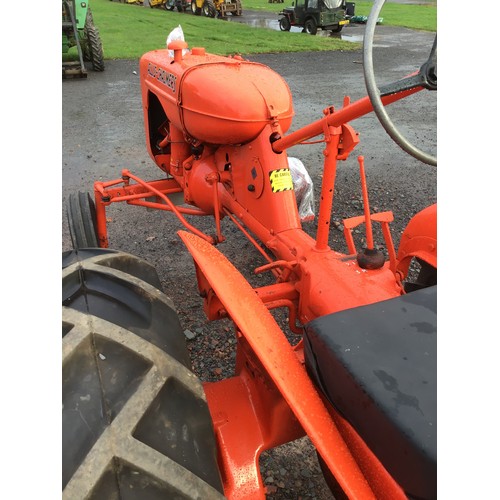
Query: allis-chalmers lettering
x=162, y=76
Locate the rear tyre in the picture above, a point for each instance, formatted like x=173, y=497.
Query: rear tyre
x=208, y=9
x=82, y=223
x=135, y=421
x=285, y=24
x=310, y=27
x=194, y=9
x=426, y=276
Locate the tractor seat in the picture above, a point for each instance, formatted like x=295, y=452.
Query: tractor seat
x=376, y=364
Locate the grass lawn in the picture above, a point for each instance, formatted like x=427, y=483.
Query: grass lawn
x=127, y=31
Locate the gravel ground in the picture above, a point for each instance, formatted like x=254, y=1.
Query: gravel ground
x=103, y=133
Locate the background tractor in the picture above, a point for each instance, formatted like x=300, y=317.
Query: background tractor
x=312, y=15
x=216, y=8
x=180, y=5
x=78, y=29
x=354, y=366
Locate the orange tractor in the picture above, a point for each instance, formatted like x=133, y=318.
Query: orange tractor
x=360, y=381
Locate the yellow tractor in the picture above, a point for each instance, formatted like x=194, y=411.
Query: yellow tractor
x=180, y=5
x=216, y=8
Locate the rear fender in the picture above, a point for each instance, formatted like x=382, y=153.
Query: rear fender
x=419, y=240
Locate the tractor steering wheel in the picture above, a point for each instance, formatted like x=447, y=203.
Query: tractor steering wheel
x=426, y=77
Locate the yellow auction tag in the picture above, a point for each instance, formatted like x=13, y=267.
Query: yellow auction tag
x=281, y=180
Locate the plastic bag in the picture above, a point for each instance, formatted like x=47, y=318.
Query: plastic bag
x=176, y=34
x=304, y=190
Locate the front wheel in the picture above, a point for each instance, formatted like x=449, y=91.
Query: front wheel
x=208, y=9
x=285, y=24
x=194, y=8
x=82, y=222
x=337, y=29
x=94, y=45
x=310, y=27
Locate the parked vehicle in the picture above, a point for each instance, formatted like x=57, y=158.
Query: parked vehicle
x=312, y=15
x=79, y=30
x=216, y=8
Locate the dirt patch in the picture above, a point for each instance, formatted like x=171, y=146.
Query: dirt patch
x=103, y=133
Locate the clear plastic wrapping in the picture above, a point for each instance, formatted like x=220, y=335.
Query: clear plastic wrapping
x=176, y=34
x=304, y=189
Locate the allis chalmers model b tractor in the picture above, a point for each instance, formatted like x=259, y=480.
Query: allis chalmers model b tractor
x=360, y=382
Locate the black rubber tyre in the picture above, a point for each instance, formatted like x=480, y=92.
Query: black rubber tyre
x=93, y=44
x=427, y=276
x=82, y=224
x=285, y=24
x=208, y=9
x=135, y=421
x=90, y=18
x=331, y=481
x=87, y=54
x=194, y=9
x=338, y=29
x=310, y=27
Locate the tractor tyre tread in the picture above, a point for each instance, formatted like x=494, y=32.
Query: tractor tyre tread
x=208, y=9
x=81, y=217
x=427, y=276
x=135, y=421
x=95, y=52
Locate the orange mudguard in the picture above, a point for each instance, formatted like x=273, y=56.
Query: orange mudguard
x=271, y=347
x=419, y=240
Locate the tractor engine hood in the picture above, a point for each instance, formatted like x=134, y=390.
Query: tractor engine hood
x=217, y=100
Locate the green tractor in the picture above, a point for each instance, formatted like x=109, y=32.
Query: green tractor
x=312, y=15
x=78, y=30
